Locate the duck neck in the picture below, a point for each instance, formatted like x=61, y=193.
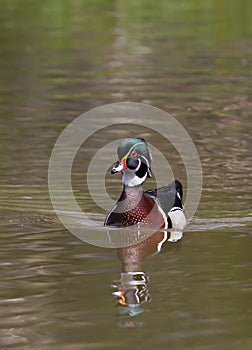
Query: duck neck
x=130, y=179
x=132, y=193
x=133, y=189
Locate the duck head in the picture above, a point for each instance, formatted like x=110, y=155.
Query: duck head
x=134, y=161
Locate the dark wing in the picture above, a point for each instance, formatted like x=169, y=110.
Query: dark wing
x=169, y=196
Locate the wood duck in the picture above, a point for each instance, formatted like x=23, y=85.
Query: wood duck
x=158, y=208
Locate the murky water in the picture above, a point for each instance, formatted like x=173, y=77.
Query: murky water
x=58, y=60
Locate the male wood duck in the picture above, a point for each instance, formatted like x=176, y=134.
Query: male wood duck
x=158, y=208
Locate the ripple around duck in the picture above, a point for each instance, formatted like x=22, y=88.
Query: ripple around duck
x=219, y=223
x=95, y=220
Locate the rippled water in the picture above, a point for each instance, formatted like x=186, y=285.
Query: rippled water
x=60, y=60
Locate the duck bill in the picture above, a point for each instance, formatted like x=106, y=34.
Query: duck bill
x=119, y=166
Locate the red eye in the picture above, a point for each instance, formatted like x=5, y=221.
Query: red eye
x=133, y=154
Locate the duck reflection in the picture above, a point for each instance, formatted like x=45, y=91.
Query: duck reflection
x=131, y=291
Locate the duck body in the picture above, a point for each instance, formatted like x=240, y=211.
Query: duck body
x=158, y=208
x=133, y=207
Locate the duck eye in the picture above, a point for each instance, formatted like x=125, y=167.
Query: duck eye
x=132, y=164
x=133, y=154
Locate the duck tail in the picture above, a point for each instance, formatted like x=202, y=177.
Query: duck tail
x=179, y=188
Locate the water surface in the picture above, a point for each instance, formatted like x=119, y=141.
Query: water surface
x=59, y=60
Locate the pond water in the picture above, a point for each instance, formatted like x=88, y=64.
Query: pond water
x=60, y=59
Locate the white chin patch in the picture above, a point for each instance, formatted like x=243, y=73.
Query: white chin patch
x=130, y=179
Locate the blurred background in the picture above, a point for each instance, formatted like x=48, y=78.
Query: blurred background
x=61, y=58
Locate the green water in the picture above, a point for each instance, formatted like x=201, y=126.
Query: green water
x=62, y=58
